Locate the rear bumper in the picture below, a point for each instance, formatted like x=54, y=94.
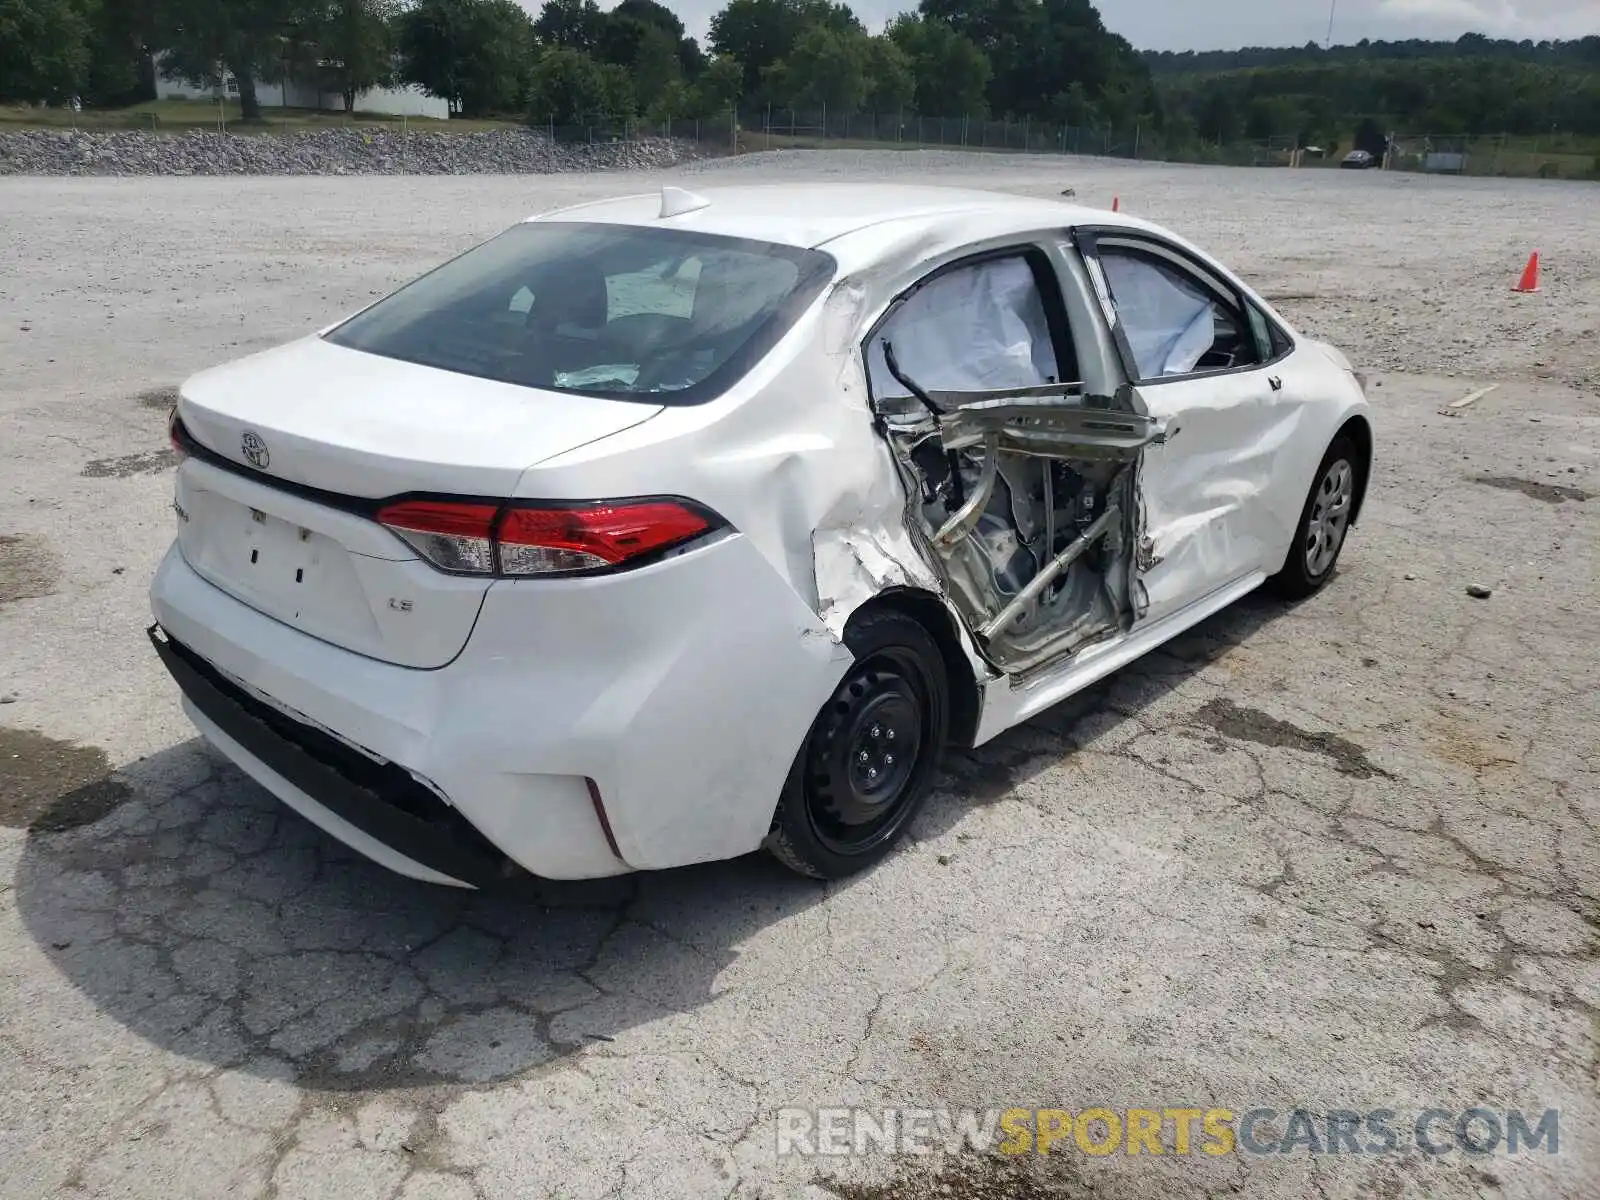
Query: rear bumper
x=317, y=774
x=681, y=690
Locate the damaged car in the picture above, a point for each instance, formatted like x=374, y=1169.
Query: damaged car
x=666, y=528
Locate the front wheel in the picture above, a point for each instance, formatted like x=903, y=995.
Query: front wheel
x=868, y=761
x=1324, y=522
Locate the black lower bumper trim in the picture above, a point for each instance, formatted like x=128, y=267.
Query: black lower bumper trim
x=381, y=800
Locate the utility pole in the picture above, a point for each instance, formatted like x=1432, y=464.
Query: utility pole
x=1333, y=7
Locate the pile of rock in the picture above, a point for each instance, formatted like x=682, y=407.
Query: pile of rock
x=346, y=151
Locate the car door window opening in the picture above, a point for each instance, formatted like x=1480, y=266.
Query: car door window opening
x=1176, y=322
x=1245, y=336
x=982, y=324
x=1021, y=484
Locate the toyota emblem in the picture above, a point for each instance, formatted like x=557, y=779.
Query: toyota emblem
x=255, y=451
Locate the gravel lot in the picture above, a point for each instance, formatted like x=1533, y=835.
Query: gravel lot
x=1344, y=856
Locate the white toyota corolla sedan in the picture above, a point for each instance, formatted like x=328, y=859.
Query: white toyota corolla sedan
x=661, y=529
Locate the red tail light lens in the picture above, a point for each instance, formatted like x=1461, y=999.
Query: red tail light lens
x=520, y=540
x=175, y=433
x=540, y=541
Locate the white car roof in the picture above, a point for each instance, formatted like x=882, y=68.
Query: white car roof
x=811, y=214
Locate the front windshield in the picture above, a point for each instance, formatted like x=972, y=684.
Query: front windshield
x=612, y=310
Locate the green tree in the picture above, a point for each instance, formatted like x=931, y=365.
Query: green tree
x=824, y=68
x=637, y=34
x=655, y=66
x=1371, y=137
x=571, y=24
x=352, y=43
x=1073, y=107
x=245, y=38
x=1180, y=138
x=1319, y=123
x=648, y=12
x=1272, y=117
x=473, y=53
x=1121, y=103
x=120, y=71
x=891, y=85
x=759, y=32
x=674, y=102
x=45, y=50
x=618, y=97
x=1471, y=85
x=618, y=39
x=569, y=87
x=718, y=87
x=643, y=38
x=1219, y=115
x=691, y=59
x=950, y=74
x=1037, y=49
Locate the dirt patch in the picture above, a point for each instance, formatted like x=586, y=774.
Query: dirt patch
x=987, y=1178
x=1453, y=741
x=129, y=465
x=158, y=398
x=28, y=568
x=48, y=786
x=1250, y=725
x=1550, y=493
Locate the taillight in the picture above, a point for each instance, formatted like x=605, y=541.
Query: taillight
x=543, y=539
x=539, y=541
x=175, y=433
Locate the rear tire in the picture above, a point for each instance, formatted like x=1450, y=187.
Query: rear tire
x=1324, y=523
x=867, y=763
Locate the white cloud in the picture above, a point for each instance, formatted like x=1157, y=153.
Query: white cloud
x=1468, y=12
x=1536, y=19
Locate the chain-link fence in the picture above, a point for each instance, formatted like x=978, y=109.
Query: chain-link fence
x=714, y=134
x=772, y=127
x=1556, y=156
x=775, y=128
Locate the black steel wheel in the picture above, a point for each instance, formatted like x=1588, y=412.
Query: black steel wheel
x=867, y=762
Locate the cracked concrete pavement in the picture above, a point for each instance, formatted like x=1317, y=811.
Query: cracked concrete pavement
x=1344, y=855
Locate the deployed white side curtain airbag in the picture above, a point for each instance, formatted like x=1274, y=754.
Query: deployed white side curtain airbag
x=975, y=329
x=1167, y=319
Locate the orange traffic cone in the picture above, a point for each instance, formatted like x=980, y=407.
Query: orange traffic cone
x=1530, y=275
x=1116, y=204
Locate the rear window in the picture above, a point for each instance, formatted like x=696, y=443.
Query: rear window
x=602, y=310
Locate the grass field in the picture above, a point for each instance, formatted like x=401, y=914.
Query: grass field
x=180, y=116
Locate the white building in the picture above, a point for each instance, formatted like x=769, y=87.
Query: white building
x=293, y=93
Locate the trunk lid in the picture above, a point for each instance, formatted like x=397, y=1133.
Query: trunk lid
x=365, y=426
x=359, y=428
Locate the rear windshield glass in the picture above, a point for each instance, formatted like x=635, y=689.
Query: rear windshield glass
x=602, y=310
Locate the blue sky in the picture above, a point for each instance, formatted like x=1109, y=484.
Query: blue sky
x=1226, y=24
